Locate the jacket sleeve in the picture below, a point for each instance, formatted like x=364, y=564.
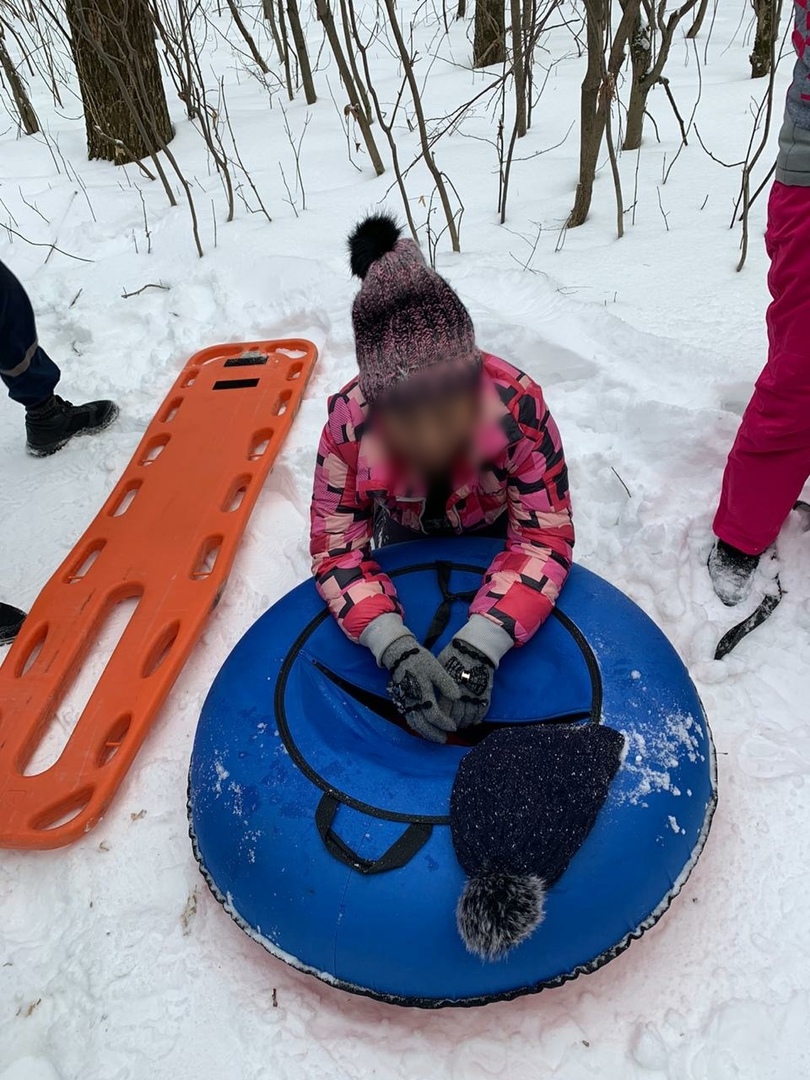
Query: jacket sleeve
x=341, y=523
x=524, y=581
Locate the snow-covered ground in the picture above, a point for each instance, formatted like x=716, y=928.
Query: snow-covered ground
x=115, y=963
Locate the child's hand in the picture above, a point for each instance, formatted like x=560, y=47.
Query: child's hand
x=418, y=681
x=473, y=673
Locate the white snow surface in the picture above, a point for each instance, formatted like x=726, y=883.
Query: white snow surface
x=115, y=962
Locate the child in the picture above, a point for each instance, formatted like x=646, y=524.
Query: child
x=435, y=438
x=770, y=460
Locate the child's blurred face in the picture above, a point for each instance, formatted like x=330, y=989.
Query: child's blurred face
x=429, y=436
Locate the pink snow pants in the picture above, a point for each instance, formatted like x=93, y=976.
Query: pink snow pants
x=770, y=460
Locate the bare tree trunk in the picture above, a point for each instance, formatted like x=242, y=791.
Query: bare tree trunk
x=530, y=36
x=598, y=89
x=591, y=117
x=640, y=60
x=350, y=53
x=300, y=43
x=285, y=50
x=518, y=69
x=697, y=25
x=258, y=59
x=489, y=42
x=119, y=77
x=28, y=118
x=325, y=15
x=269, y=9
x=608, y=93
x=650, y=46
x=767, y=29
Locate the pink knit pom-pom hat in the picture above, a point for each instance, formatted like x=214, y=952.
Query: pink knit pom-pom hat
x=407, y=319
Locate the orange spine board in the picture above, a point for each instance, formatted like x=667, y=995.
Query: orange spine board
x=167, y=535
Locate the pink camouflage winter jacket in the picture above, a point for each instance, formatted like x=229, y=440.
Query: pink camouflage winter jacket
x=524, y=474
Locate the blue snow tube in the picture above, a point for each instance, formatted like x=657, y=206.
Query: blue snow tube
x=322, y=825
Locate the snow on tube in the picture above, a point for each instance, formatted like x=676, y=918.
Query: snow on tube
x=321, y=824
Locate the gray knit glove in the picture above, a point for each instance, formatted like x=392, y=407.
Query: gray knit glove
x=417, y=677
x=472, y=658
x=417, y=682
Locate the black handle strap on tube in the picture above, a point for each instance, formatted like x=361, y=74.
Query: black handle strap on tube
x=399, y=854
x=445, y=608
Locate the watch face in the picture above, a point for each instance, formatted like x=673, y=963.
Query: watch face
x=473, y=679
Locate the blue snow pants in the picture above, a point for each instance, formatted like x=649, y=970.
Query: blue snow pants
x=25, y=368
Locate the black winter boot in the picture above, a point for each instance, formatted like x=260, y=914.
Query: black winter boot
x=54, y=423
x=732, y=572
x=11, y=619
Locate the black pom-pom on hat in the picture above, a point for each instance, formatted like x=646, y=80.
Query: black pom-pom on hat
x=370, y=240
x=406, y=318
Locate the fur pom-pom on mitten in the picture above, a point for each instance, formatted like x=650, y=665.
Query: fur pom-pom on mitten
x=497, y=911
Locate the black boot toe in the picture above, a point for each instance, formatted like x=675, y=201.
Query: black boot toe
x=53, y=424
x=11, y=619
